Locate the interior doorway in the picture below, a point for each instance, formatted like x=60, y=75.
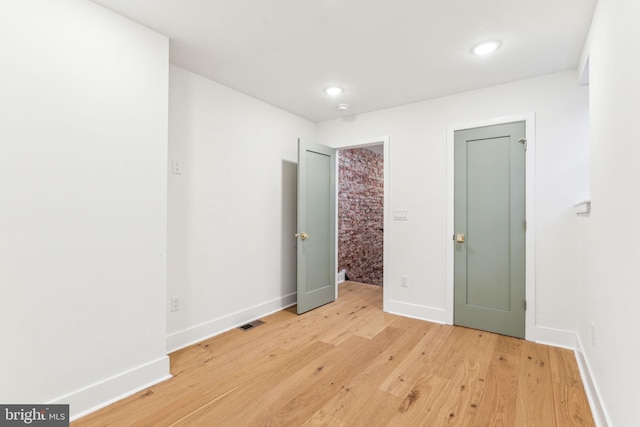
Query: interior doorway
x=317, y=247
x=360, y=222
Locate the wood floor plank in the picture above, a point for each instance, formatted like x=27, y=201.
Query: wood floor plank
x=571, y=405
x=360, y=414
x=359, y=318
x=420, y=407
x=464, y=344
x=376, y=324
x=418, y=362
x=316, y=394
x=497, y=402
x=269, y=396
x=347, y=403
x=355, y=316
x=249, y=384
x=309, y=326
x=535, y=405
x=188, y=394
x=456, y=408
x=323, y=420
x=245, y=386
x=564, y=370
x=348, y=364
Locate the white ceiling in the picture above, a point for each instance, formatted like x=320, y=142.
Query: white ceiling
x=383, y=52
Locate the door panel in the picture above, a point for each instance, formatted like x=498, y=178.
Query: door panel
x=488, y=252
x=316, y=219
x=489, y=212
x=318, y=225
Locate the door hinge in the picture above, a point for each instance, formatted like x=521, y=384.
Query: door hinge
x=523, y=141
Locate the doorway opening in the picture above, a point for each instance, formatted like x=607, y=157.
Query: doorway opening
x=361, y=214
x=361, y=224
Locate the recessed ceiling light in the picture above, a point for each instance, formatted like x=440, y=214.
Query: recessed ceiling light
x=333, y=90
x=343, y=107
x=485, y=48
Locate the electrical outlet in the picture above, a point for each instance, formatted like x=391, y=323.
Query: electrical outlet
x=404, y=281
x=176, y=166
x=175, y=303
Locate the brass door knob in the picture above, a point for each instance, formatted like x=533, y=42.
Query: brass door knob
x=303, y=236
x=459, y=238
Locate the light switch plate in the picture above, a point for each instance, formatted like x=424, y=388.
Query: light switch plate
x=401, y=215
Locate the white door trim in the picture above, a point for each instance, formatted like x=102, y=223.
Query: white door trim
x=384, y=140
x=530, y=129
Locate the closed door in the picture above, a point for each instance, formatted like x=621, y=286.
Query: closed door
x=316, y=226
x=489, y=221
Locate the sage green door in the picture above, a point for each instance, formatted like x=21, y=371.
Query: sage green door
x=316, y=225
x=489, y=218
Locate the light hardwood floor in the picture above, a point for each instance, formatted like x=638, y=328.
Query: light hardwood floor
x=349, y=364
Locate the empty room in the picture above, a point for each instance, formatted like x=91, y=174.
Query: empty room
x=337, y=213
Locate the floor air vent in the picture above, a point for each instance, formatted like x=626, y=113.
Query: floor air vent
x=251, y=325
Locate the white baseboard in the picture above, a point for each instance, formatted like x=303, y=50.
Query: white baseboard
x=600, y=414
x=194, y=334
x=420, y=312
x=342, y=275
x=84, y=401
x=556, y=337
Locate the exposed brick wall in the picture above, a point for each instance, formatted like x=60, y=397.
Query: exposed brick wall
x=360, y=215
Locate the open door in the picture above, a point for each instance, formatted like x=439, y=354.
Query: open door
x=316, y=225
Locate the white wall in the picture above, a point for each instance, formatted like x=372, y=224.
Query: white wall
x=232, y=211
x=83, y=142
x=418, y=135
x=612, y=280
